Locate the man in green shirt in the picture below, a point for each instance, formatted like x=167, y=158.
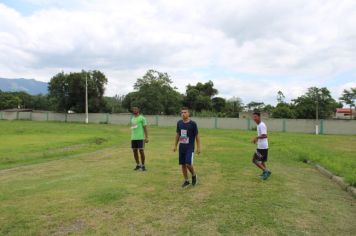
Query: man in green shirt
x=139, y=136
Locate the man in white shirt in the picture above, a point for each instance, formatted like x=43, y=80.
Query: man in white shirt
x=261, y=155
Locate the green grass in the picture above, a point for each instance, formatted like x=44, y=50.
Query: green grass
x=25, y=142
x=62, y=180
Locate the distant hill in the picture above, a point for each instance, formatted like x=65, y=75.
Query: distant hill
x=30, y=86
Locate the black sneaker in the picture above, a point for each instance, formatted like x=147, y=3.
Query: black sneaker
x=194, y=180
x=137, y=167
x=185, y=184
x=266, y=175
x=143, y=168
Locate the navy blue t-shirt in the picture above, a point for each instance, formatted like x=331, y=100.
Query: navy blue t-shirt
x=187, y=132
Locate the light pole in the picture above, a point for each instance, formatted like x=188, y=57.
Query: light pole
x=86, y=99
x=317, y=112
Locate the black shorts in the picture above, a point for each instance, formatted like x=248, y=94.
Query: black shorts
x=186, y=157
x=261, y=155
x=137, y=144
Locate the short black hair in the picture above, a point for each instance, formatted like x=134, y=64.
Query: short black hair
x=184, y=108
x=257, y=113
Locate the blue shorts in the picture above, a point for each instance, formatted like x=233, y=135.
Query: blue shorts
x=186, y=157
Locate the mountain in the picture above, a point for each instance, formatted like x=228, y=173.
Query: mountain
x=30, y=86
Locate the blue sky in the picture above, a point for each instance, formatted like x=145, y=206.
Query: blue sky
x=249, y=49
x=21, y=6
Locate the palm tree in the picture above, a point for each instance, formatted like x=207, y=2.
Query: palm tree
x=348, y=98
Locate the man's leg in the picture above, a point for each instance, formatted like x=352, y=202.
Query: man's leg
x=256, y=160
x=267, y=173
x=264, y=159
x=185, y=172
x=259, y=165
x=191, y=169
x=142, y=154
x=135, y=152
x=194, y=176
x=189, y=160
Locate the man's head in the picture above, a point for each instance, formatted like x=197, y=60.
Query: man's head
x=135, y=110
x=184, y=112
x=256, y=116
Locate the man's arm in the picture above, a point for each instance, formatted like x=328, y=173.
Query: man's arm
x=146, y=133
x=262, y=136
x=198, y=143
x=176, y=142
x=263, y=131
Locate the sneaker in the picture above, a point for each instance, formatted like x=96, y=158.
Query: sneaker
x=185, y=184
x=266, y=175
x=143, y=168
x=137, y=167
x=194, y=180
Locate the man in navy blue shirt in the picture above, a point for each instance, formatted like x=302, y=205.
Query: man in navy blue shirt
x=187, y=134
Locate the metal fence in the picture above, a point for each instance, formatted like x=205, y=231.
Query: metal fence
x=279, y=125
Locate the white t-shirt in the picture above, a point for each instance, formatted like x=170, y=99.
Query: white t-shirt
x=262, y=129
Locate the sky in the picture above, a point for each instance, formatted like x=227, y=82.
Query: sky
x=249, y=48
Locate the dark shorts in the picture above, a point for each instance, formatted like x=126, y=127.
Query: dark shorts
x=186, y=157
x=137, y=144
x=261, y=155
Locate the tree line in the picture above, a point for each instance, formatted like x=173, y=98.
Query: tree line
x=155, y=94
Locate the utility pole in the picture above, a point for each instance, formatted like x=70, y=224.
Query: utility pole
x=317, y=113
x=317, y=109
x=86, y=99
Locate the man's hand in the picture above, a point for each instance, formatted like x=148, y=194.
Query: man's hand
x=146, y=140
x=174, y=149
x=254, y=140
x=198, y=150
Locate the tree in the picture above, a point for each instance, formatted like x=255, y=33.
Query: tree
x=267, y=108
x=67, y=91
x=255, y=106
x=40, y=102
x=154, y=94
x=348, y=98
x=283, y=110
x=316, y=100
x=233, y=107
x=199, y=97
x=22, y=99
x=219, y=104
x=115, y=104
x=8, y=100
x=280, y=97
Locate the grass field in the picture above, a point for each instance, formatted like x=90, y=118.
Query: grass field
x=61, y=178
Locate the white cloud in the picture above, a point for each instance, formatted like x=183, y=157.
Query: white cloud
x=294, y=39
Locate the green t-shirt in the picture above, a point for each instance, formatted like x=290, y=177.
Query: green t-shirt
x=137, y=124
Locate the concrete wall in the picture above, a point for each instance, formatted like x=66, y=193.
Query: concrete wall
x=232, y=123
x=278, y=125
x=339, y=127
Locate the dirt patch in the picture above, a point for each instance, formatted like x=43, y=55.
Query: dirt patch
x=70, y=228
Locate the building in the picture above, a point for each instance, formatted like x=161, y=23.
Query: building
x=345, y=113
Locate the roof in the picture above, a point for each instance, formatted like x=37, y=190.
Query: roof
x=344, y=110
